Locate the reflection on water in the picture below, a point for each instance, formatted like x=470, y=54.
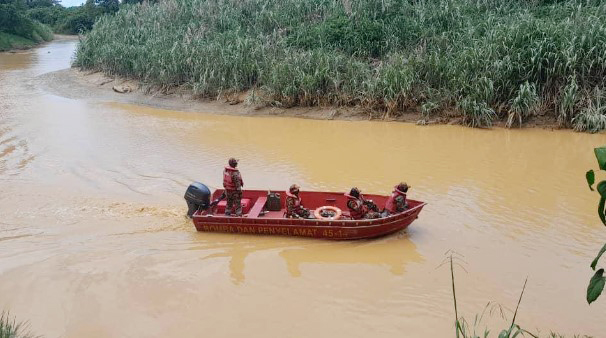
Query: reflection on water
x=393, y=252
x=94, y=242
x=17, y=60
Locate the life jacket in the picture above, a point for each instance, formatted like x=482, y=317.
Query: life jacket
x=297, y=199
x=228, y=182
x=390, y=205
x=362, y=208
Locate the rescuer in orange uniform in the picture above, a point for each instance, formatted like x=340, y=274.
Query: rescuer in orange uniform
x=397, y=201
x=233, y=183
x=294, y=207
x=360, y=208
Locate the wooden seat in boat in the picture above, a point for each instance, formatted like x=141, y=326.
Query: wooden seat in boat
x=257, y=207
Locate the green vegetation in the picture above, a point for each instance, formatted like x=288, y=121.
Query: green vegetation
x=9, y=328
x=17, y=30
x=73, y=20
x=463, y=329
x=24, y=23
x=485, y=59
x=597, y=282
x=10, y=41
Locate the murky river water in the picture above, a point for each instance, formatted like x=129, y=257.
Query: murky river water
x=93, y=242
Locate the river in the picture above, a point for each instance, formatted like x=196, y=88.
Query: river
x=94, y=242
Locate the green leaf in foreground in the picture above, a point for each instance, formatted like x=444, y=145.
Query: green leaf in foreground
x=600, y=154
x=596, y=285
x=597, y=258
x=602, y=203
x=590, y=176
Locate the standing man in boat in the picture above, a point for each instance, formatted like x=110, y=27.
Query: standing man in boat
x=294, y=207
x=359, y=207
x=233, y=183
x=396, y=203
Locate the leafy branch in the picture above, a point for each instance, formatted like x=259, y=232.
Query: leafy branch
x=597, y=282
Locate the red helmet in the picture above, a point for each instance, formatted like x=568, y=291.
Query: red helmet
x=232, y=162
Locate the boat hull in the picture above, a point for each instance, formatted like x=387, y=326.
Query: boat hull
x=341, y=229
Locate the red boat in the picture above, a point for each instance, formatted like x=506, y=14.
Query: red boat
x=264, y=214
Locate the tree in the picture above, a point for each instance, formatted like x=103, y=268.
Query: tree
x=109, y=6
x=42, y=3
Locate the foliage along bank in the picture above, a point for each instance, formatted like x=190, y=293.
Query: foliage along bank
x=72, y=20
x=24, y=23
x=17, y=29
x=482, y=60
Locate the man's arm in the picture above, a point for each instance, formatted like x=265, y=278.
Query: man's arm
x=235, y=177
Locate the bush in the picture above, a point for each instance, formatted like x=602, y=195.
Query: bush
x=47, y=15
x=78, y=20
x=476, y=113
x=10, y=41
x=13, y=20
x=471, y=56
x=75, y=23
x=524, y=104
x=592, y=118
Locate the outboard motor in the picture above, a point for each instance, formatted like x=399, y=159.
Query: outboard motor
x=197, y=197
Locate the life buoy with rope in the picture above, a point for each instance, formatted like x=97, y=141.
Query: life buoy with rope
x=328, y=212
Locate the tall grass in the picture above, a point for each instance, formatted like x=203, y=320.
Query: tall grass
x=484, y=59
x=10, y=328
x=465, y=329
x=592, y=117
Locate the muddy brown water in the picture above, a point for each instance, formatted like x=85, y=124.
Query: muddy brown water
x=93, y=241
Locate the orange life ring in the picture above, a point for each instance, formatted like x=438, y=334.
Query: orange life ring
x=322, y=213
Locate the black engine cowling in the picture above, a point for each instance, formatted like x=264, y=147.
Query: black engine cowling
x=197, y=197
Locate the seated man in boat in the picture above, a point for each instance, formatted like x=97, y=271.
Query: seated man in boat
x=359, y=207
x=233, y=183
x=294, y=207
x=396, y=203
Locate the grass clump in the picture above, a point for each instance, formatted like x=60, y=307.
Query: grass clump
x=465, y=329
x=10, y=328
x=485, y=59
x=524, y=104
x=10, y=41
x=592, y=117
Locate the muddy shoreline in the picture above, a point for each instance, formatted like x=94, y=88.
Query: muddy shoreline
x=77, y=84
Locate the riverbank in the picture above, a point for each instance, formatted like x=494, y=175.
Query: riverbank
x=78, y=84
x=510, y=61
x=18, y=30
x=9, y=42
